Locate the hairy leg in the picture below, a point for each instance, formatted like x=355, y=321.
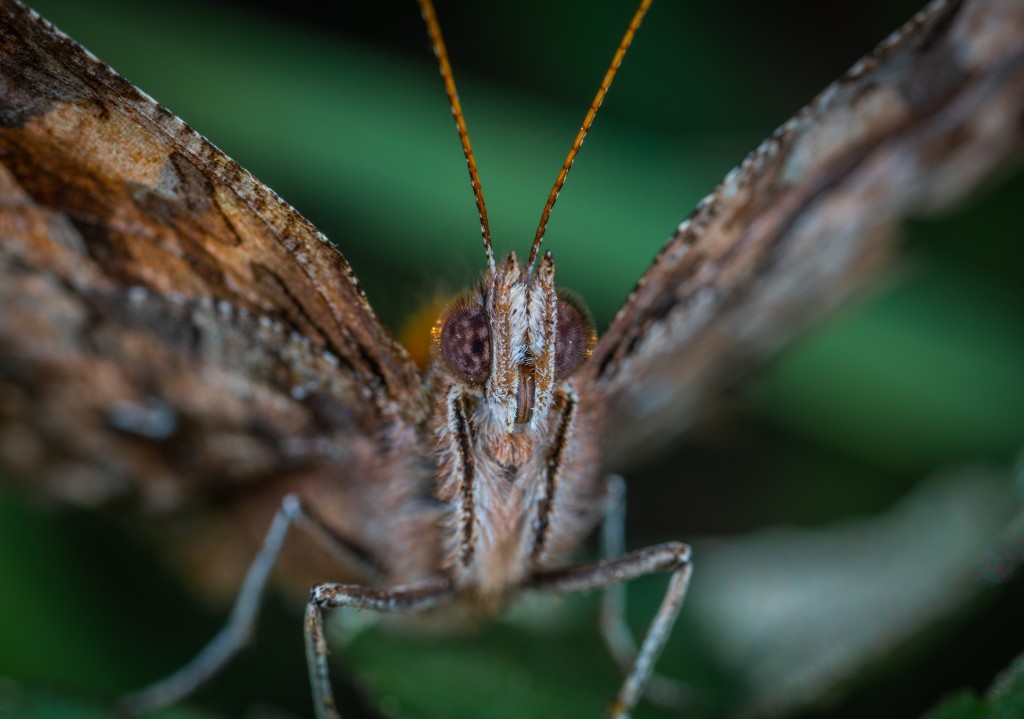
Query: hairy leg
x=618, y=637
x=237, y=632
x=234, y=635
x=412, y=598
x=671, y=557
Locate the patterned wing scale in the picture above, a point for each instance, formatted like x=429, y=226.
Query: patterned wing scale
x=170, y=328
x=793, y=230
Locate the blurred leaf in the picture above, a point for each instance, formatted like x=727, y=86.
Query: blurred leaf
x=799, y=611
x=961, y=706
x=38, y=704
x=1005, y=699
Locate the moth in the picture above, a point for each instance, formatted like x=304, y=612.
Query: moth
x=172, y=331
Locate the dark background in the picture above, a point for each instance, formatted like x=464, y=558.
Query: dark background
x=341, y=111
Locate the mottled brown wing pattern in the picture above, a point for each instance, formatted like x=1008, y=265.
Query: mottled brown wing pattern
x=798, y=226
x=134, y=250
x=170, y=328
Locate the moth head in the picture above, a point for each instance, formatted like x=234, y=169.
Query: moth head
x=538, y=337
x=514, y=338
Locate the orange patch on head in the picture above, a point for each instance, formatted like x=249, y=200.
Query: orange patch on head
x=415, y=333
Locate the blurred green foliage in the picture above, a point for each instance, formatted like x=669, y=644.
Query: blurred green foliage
x=1005, y=700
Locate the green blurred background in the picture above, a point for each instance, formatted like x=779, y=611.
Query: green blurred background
x=341, y=111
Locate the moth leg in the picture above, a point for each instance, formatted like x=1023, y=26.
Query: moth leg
x=411, y=598
x=234, y=635
x=669, y=557
x=616, y=633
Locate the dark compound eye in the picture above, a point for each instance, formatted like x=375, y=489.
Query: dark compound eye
x=574, y=335
x=465, y=341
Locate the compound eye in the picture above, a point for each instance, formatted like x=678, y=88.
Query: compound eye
x=464, y=337
x=574, y=334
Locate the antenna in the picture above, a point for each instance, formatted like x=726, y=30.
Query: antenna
x=627, y=39
x=434, y=31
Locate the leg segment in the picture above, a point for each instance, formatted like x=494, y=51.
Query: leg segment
x=614, y=630
x=617, y=635
x=670, y=557
x=412, y=598
x=234, y=635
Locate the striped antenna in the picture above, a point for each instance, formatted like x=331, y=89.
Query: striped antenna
x=627, y=39
x=434, y=31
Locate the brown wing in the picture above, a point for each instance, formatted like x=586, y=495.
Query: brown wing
x=166, y=321
x=793, y=230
